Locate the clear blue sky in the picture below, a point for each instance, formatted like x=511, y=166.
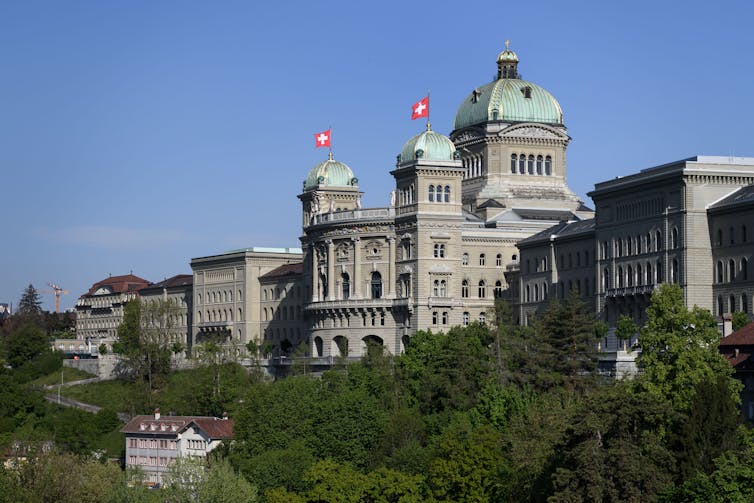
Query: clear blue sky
x=136, y=135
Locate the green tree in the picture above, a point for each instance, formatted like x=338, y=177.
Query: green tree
x=191, y=480
x=613, y=449
x=145, y=339
x=679, y=350
x=30, y=303
x=740, y=320
x=25, y=344
x=625, y=329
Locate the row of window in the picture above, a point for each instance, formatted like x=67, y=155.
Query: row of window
x=733, y=304
x=152, y=443
x=732, y=235
x=482, y=289
x=483, y=259
x=196, y=445
x=732, y=273
x=482, y=318
x=540, y=292
x=407, y=195
x=149, y=461
x=282, y=313
x=442, y=318
x=635, y=275
x=219, y=296
x=213, y=315
x=345, y=284
x=280, y=293
x=370, y=318
x=531, y=165
x=636, y=245
x=439, y=194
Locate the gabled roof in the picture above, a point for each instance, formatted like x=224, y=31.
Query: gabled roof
x=738, y=348
x=214, y=427
x=491, y=203
x=741, y=196
x=293, y=269
x=560, y=230
x=119, y=284
x=175, y=281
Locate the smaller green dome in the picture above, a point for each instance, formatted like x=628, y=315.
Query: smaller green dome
x=330, y=173
x=430, y=146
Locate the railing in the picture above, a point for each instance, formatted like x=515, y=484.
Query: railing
x=630, y=290
x=344, y=216
x=351, y=303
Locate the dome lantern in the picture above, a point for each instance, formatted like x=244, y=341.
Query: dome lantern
x=507, y=63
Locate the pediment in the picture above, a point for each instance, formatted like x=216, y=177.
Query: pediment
x=533, y=131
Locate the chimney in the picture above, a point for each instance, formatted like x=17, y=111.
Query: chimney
x=157, y=414
x=727, y=324
x=225, y=416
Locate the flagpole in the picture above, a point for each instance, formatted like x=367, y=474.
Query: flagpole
x=429, y=109
x=329, y=127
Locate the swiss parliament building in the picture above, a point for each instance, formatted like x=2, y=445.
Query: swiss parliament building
x=483, y=213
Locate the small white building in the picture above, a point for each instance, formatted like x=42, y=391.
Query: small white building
x=153, y=442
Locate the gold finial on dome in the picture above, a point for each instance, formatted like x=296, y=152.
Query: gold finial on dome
x=507, y=63
x=329, y=156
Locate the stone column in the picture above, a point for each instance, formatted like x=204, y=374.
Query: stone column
x=330, y=270
x=390, y=293
x=315, y=274
x=356, y=283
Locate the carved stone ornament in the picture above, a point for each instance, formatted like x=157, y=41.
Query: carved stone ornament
x=467, y=135
x=531, y=132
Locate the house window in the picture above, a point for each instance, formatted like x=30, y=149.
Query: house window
x=744, y=269
x=539, y=164
x=447, y=193
x=431, y=193
x=499, y=260
x=465, y=259
x=514, y=160
x=498, y=292
x=465, y=319
x=522, y=164
x=674, y=238
x=482, y=289
x=482, y=318
x=434, y=317
x=376, y=285
x=720, y=311
x=346, y=283
x=548, y=165
x=465, y=288
x=444, y=317
x=481, y=259
x=530, y=165
x=439, y=250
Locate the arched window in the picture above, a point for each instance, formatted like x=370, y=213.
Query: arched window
x=675, y=275
x=431, y=193
x=720, y=274
x=465, y=259
x=732, y=304
x=481, y=259
x=744, y=269
x=521, y=164
x=447, y=193
x=466, y=318
x=659, y=240
x=548, y=165
x=465, y=288
x=743, y=233
x=674, y=238
x=498, y=292
x=482, y=318
x=346, y=284
x=530, y=165
x=720, y=307
x=443, y=288
x=732, y=238
x=536, y=292
x=499, y=260
x=434, y=317
x=439, y=250
x=731, y=271
x=444, y=317
x=620, y=277
x=605, y=278
x=376, y=285
x=639, y=275
x=648, y=272
x=719, y=237
x=527, y=297
x=660, y=278
x=514, y=160
x=436, y=289
x=630, y=276
x=482, y=289
x=539, y=164
x=744, y=303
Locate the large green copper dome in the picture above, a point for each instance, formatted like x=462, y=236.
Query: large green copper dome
x=330, y=173
x=428, y=145
x=508, y=99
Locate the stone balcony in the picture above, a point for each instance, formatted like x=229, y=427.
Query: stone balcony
x=371, y=214
x=626, y=291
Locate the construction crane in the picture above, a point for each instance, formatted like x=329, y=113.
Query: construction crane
x=58, y=291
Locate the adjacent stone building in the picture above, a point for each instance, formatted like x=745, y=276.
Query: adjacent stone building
x=100, y=310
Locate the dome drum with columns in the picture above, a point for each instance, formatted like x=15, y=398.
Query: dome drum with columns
x=436, y=256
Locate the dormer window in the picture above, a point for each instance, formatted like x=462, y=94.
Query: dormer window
x=526, y=91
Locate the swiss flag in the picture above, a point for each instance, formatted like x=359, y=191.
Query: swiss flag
x=322, y=139
x=420, y=109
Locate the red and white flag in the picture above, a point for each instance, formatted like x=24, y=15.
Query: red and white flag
x=420, y=109
x=322, y=139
